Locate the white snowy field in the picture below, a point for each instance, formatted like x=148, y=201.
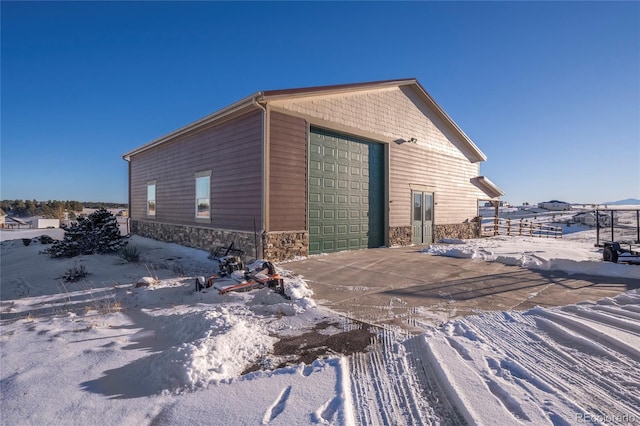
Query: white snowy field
x=103, y=351
x=574, y=253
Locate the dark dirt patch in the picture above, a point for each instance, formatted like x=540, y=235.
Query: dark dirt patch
x=307, y=346
x=314, y=345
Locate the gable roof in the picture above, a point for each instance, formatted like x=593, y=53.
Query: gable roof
x=258, y=99
x=16, y=220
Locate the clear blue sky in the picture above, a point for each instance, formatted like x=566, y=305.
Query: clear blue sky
x=549, y=91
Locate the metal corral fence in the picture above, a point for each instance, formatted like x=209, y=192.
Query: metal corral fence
x=493, y=226
x=621, y=225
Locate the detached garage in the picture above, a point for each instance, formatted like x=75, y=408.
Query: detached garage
x=314, y=170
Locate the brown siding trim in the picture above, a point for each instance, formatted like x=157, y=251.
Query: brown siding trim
x=231, y=150
x=287, y=173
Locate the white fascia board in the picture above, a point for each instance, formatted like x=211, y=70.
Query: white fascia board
x=486, y=186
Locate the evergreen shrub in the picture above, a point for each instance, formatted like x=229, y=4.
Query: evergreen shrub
x=94, y=234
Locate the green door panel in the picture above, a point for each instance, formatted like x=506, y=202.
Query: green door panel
x=346, y=193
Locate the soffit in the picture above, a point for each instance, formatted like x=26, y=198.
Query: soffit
x=485, y=185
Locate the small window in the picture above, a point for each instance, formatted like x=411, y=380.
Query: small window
x=151, y=198
x=203, y=195
x=417, y=206
x=428, y=205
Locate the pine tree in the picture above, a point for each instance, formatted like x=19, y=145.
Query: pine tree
x=96, y=234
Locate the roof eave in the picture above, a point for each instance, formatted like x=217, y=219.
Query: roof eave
x=209, y=119
x=485, y=185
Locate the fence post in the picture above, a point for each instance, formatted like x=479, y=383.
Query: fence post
x=495, y=226
x=612, y=236
x=520, y=232
x=597, y=229
x=509, y=227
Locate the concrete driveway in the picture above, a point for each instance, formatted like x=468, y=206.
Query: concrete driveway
x=407, y=288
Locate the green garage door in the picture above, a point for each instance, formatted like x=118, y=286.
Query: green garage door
x=346, y=193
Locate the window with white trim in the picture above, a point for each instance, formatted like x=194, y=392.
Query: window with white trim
x=203, y=195
x=151, y=198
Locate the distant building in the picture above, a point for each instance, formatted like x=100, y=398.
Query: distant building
x=589, y=218
x=500, y=203
x=555, y=205
x=3, y=218
x=40, y=223
x=14, y=222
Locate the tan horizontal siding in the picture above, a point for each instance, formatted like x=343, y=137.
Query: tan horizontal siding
x=439, y=159
x=449, y=177
x=287, y=173
x=232, y=151
x=391, y=112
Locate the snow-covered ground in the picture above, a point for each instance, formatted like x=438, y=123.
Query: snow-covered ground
x=103, y=351
x=573, y=253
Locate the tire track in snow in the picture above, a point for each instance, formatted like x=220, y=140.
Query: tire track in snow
x=468, y=391
x=393, y=385
x=565, y=362
x=442, y=410
x=565, y=370
x=628, y=325
x=619, y=312
x=544, y=366
x=607, y=335
x=608, y=376
x=504, y=375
